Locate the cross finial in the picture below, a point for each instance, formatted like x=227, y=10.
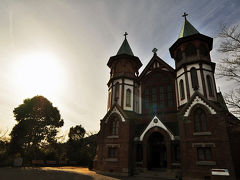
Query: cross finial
x=185, y=15
x=125, y=34
x=154, y=51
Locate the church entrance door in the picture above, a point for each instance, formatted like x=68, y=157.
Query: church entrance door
x=156, y=151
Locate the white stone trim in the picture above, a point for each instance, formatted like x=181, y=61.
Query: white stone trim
x=155, y=122
x=115, y=110
x=198, y=100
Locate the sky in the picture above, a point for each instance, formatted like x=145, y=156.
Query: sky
x=60, y=48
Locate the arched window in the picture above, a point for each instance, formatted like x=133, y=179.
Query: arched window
x=154, y=100
x=209, y=83
x=137, y=100
x=190, y=50
x=203, y=50
x=194, y=78
x=114, y=127
x=128, y=98
x=170, y=95
x=200, y=120
x=182, y=93
x=161, y=97
x=117, y=91
x=146, y=100
x=179, y=55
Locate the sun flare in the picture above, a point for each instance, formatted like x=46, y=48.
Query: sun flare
x=38, y=73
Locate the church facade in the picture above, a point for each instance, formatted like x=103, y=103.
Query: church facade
x=167, y=119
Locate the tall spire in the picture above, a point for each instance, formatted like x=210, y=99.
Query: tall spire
x=125, y=48
x=187, y=28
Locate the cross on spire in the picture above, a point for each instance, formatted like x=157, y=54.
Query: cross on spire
x=185, y=15
x=154, y=51
x=125, y=34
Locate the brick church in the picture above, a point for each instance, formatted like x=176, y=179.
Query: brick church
x=166, y=119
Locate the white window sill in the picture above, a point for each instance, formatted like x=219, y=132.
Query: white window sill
x=206, y=163
x=112, y=137
x=207, y=133
x=176, y=164
x=111, y=160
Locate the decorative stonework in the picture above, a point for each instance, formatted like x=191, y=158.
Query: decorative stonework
x=198, y=100
x=155, y=122
x=115, y=110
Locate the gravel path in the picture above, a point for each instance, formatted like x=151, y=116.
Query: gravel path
x=57, y=173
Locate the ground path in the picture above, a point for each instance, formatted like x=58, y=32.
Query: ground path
x=57, y=173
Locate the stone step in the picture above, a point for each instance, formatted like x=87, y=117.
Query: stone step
x=157, y=174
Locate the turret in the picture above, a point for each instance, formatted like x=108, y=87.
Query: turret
x=195, y=71
x=123, y=87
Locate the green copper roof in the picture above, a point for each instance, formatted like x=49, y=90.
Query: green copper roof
x=125, y=48
x=187, y=30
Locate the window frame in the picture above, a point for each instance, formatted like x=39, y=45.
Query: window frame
x=210, y=85
x=200, y=120
x=112, y=152
x=206, y=154
x=194, y=78
x=146, y=97
x=170, y=96
x=182, y=91
x=117, y=91
x=128, y=97
x=114, y=127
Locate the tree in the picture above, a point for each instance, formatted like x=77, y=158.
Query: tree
x=76, y=133
x=75, y=143
x=37, y=123
x=229, y=67
x=80, y=148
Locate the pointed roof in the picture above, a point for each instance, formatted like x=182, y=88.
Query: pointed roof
x=189, y=33
x=125, y=48
x=187, y=29
x=162, y=63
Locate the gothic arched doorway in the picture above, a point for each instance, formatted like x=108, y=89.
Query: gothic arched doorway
x=157, y=156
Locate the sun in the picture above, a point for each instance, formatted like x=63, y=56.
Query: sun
x=38, y=73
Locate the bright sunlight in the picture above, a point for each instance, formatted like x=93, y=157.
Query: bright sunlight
x=39, y=73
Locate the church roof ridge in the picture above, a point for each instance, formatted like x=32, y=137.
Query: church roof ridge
x=125, y=47
x=187, y=29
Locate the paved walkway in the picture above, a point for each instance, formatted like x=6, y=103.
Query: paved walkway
x=58, y=173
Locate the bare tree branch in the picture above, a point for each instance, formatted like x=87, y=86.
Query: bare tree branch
x=232, y=99
x=3, y=135
x=229, y=67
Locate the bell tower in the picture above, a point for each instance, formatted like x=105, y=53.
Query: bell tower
x=194, y=69
x=123, y=88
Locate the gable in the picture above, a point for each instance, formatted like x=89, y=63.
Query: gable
x=198, y=100
x=113, y=111
x=155, y=63
x=155, y=122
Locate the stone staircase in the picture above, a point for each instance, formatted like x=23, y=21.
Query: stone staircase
x=164, y=174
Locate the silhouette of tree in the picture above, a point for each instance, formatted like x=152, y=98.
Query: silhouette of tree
x=76, y=133
x=37, y=123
